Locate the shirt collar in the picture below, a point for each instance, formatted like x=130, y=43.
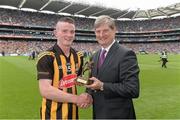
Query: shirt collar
x=59, y=50
x=108, y=48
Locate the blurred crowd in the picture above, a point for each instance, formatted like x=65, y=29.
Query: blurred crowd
x=23, y=47
x=171, y=47
x=149, y=25
x=17, y=17
x=26, y=47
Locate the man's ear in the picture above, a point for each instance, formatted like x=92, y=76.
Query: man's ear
x=55, y=33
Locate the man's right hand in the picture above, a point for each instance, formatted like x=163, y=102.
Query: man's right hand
x=84, y=100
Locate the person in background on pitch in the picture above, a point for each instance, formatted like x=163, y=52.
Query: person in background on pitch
x=164, y=57
x=114, y=75
x=57, y=69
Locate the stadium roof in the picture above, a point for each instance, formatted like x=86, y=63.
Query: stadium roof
x=72, y=8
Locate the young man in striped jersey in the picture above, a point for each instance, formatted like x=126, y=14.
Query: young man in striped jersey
x=57, y=68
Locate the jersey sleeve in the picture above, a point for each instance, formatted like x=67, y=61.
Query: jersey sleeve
x=45, y=67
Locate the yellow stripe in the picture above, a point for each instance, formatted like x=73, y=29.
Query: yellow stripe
x=74, y=106
x=43, y=111
x=53, y=110
x=63, y=62
x=65, y=108
x=73, y=69
x=80, y=53
x=64, y=105
x=79, y=61
x=43, y=54
x=55, y=84
x=56, y=74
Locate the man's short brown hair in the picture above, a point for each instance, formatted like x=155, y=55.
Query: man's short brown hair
x=104, y=19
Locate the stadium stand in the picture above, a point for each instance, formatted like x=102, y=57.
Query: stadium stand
x=21, y=32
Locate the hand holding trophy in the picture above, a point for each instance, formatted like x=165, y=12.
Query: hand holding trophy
x=83, y=79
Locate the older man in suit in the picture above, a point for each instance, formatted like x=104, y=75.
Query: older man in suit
x=114, y=75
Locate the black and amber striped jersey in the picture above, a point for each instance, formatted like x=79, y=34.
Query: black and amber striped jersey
x=62, y=70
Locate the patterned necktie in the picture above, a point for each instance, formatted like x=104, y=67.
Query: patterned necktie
x=101, y=58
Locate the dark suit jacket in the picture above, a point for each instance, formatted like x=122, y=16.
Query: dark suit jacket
x=119, y=73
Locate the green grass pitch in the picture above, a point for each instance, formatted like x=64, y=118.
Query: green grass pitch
x=159, y=93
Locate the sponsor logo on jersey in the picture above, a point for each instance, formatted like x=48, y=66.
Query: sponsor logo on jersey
x=67, y=81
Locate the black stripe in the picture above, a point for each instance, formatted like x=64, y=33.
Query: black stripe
x=77, y=115
x=70, y=107
x=58, y=52
x=48, y=109
x=59, y=111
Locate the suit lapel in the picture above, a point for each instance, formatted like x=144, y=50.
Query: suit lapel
x=108, y=58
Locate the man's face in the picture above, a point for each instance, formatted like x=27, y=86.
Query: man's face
x=65, y=33
x=105, y=35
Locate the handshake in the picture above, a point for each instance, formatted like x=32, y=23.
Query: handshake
x=84, y=100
